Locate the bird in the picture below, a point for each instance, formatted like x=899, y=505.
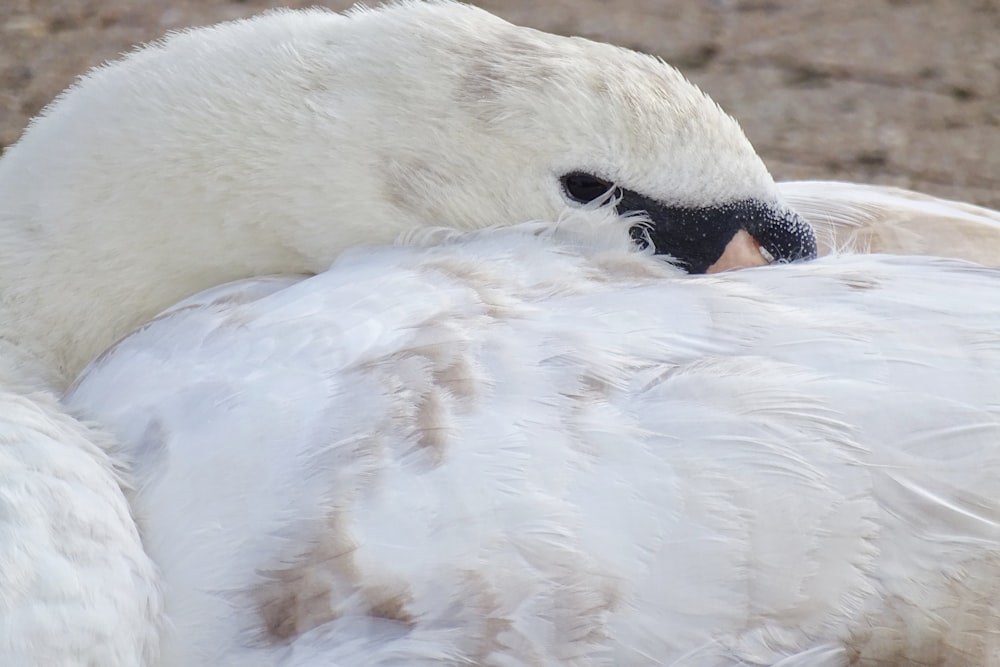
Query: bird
x=269, y=146
x=860, y=217
x=540, y=445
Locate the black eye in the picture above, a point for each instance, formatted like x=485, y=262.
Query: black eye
x=585, y=188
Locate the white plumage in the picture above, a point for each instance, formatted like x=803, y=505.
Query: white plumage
x=851, y=217
x=274, y=144
x=269, y=146
x=542, y=448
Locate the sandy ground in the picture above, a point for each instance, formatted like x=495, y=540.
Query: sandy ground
x=903, y=92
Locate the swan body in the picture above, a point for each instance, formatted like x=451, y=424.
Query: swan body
x=537, y=446
x=76, y=584
x=269, y=146
x=853, y=217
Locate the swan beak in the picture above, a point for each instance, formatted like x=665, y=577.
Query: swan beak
x=741, y=252
x=725, y=237
x=765, y=240
x=783, y=236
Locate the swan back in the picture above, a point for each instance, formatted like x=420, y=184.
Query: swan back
x=531, y=447
x=852, y=217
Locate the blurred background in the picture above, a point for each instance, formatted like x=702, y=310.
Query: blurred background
x=901, y=92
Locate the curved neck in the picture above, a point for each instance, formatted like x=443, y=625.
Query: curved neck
x=55, y=321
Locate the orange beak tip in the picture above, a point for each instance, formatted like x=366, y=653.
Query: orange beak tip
x=742, y=251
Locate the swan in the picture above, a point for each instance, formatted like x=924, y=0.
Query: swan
x=270, y=145
x=855, y=217
x=536, y=445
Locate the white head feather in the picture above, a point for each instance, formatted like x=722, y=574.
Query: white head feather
x=269, y=145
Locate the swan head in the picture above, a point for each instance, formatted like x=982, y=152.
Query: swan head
x=269, y=145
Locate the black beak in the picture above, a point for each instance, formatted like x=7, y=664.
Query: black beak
x=697, y=237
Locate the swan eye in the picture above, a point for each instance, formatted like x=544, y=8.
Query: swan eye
x=584, y=188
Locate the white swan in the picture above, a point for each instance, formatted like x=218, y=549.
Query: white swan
x=535, y=446
x=270, y=145
x=850, y=217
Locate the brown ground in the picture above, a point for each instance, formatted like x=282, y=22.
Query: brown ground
x=904, y=92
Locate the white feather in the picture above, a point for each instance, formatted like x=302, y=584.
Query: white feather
x=850, y=217
x=517, y=448
x=270, y=146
